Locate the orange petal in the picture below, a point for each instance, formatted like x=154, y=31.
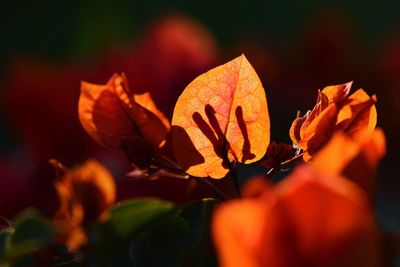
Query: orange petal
x=319, y=131
x=358, y=115
x=294, y=131
x=76, y=238
x=309, y=219
x=94, y=177
x=146, y=101
x=356, y=160
x=319, y=222
x=255, y=187
x=109, y=114
x=336, y=154
x=365, y=121
x=101, y=114
x=224, y=112
x=362, y=168
x=336, y=93
x=321, y=105
x=85, y=193
x=237, y=228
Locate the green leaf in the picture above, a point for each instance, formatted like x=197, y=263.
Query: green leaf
x=31, y=233
x=127, y=218
x=151, y=232
x=199, y=214
x=182, y=239
x=4, y=236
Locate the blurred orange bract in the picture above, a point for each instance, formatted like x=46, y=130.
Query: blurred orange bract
x=309, y=219
x=85, y=193
x=357, y=160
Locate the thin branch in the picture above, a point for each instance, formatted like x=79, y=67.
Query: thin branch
x=221, y=194
x=233, y=171
x=284, y=165
x=172, y=169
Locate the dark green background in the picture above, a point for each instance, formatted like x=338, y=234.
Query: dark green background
x=76, y=28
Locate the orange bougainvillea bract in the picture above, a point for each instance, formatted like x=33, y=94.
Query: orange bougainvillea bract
x=221, y=116
x=334, y=110
x=358, y=158
x=310, y=219
x=111, y=113
x=85, y=193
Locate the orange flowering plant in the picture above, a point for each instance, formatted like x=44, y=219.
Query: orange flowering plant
x=355, y=115
x=318, y=215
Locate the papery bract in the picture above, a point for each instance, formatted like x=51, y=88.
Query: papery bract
x=222, y=115
x=307, y=220
x=85, y=193
x=356, y=159
x=111, y=113
x=335, y=110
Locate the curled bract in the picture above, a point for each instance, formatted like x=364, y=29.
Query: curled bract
x=112, y=113
x=335, y=110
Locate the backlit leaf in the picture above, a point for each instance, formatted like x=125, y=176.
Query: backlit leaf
x=223, y=113
x=110, y=113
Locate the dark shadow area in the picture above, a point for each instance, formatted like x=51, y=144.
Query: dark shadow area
x=186, y=149
x=213, y=131
x=246, y=154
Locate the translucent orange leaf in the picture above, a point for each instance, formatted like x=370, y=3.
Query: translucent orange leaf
x=111, y=113
x=221, y=115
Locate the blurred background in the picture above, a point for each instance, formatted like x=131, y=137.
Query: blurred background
x=48, y=47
